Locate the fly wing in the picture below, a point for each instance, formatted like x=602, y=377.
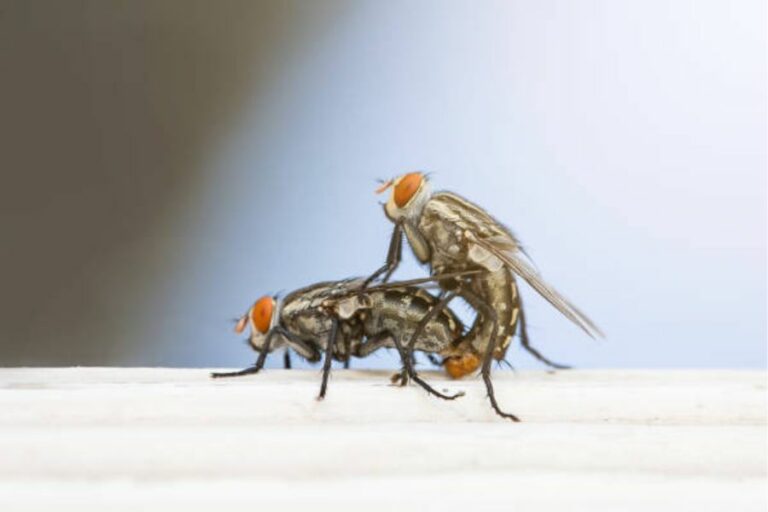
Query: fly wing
x=422, y=282
x=492, y=241
x=468, y=215
x=523, y=269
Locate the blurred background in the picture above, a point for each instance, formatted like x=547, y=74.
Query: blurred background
x=164, y=163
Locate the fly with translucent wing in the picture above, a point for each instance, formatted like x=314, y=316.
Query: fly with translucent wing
x=451, y=234
x=333, y=320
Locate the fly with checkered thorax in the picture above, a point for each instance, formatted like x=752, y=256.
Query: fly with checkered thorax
x=450, y=234
x=333, y=320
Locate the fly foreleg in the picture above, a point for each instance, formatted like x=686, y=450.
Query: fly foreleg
x=239, y=373
x=259, y=361
x=394, y=255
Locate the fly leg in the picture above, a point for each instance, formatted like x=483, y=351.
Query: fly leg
x=504, y=362
x=348, y=350
x=259, y=361
x=488, y=311
x=287, y=359
x=394, y=255
x=328, y=357
x=525, y=342
x=239, y=373
x=434, y=360
x=373, y=344
x=307, y=350
x=409, y=372
x=401, y=378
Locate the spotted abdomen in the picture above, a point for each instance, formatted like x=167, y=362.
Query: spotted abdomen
x=398, y=312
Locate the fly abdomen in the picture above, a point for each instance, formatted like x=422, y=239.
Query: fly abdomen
x=398, y=312
x=499, y=290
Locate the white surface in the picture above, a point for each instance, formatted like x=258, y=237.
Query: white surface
x=114, y=439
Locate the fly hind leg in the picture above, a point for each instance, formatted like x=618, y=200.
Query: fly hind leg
x=525, y=342
x=411, y=374
x=401, y=378
x=406, y=354
x=489, y=313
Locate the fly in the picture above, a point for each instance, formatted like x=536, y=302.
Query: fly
x=451, y=234
x=334, y=320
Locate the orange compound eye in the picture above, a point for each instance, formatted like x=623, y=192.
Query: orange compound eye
x=261, y=313
x=406, y=188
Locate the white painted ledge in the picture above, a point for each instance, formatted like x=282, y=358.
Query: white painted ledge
x=126, y=439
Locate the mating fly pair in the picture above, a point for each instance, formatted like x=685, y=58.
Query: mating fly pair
x=470, y=255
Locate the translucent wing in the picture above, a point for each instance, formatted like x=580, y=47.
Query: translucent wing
x=492, y=241
x=485, y=258
x=523, y=269
x=424, y=282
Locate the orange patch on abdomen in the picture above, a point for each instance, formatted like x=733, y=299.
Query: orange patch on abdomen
x=459, y=366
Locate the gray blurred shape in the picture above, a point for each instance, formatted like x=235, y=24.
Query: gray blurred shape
x=107, y=108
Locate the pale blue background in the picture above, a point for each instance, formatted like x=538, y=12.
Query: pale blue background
x=624, y=142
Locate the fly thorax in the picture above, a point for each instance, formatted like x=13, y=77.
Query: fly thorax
x=311, y=324
x=446, y=238
x=347, y=307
